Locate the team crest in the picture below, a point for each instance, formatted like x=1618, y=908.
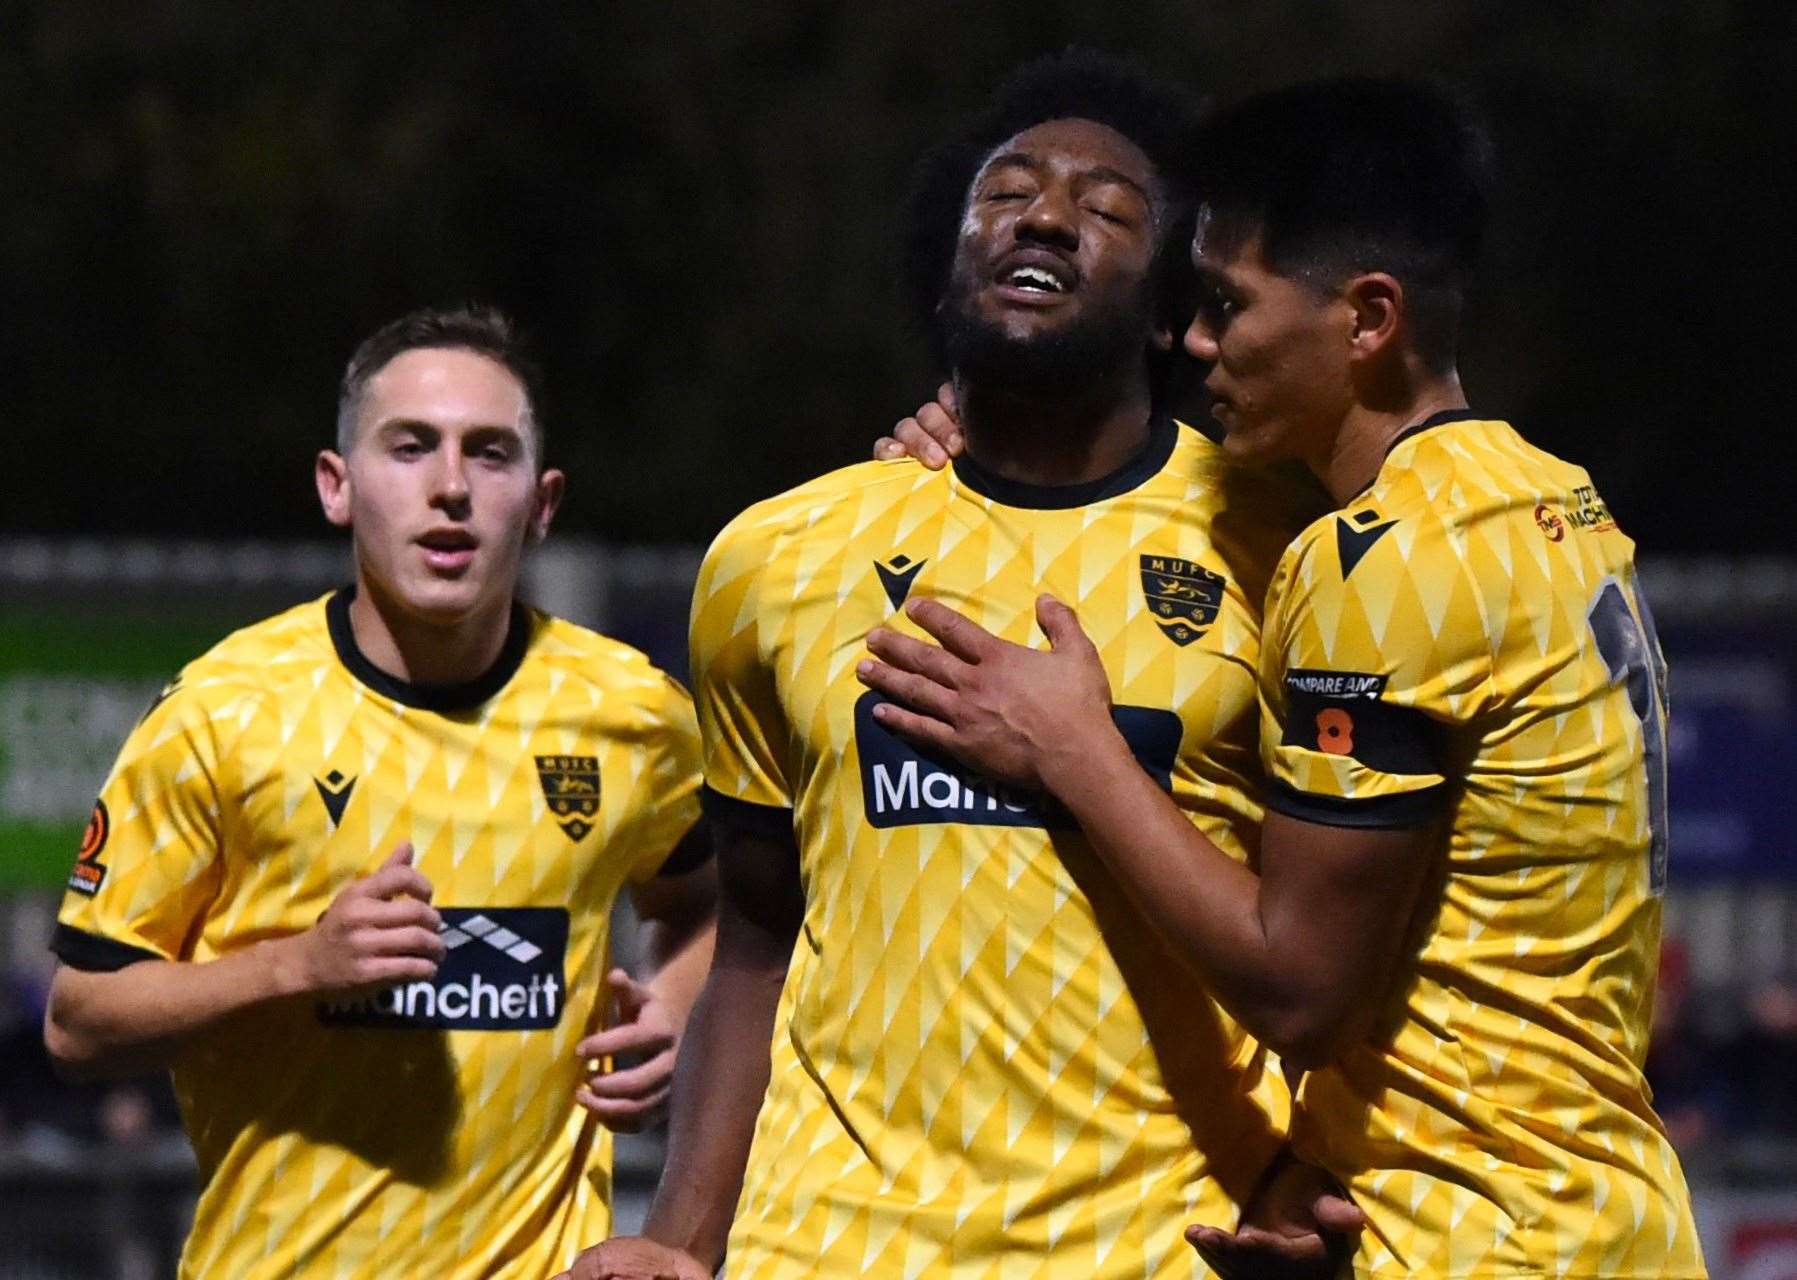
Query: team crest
x=1183, y=596
x=571, y=786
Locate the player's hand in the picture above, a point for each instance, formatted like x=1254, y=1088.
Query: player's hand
x=1023, y=716
x=1300, y=1226
x=932, y=435
x=379, y=930
x=631, y=1098
x=634, y=1258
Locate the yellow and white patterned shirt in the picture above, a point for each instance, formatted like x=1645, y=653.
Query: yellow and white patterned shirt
x=1465, y=643
x=430, y=1129
x=984, y=1064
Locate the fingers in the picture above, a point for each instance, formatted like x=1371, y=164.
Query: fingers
x=907, y=653
x=641, y=1081
x=1253, y=1252
x=1338, y=1214
x=1060, y=624
x=393, y=880
x=961, y=636
x=920, y=444
x=945, y=397
x=922, y=729
x=626, y=1037
x=939, y=424
x=623, y=1115
x=386, y=971
x=918, y=693
x=394, y=913
x=888, y=449
x=400, y=857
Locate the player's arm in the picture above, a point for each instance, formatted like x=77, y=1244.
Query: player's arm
x=1300, y=952
x=723, y=1067
x=116, y=1009
x=677, y=911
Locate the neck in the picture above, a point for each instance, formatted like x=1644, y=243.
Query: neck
x=423, y=652
x=1052, y=441
x=1349, y=460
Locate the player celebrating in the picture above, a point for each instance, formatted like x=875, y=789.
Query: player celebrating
x=1456, y=914
x=351, y=875
x=983, y=1063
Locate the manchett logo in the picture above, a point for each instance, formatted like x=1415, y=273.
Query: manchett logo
x=503, y=972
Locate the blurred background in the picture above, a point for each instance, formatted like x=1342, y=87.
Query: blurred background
x=694, y=209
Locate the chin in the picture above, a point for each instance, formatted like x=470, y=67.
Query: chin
x=1259, y=447
x=442, y=602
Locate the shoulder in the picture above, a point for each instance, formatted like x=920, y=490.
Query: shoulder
x=1252, y=512
x=616, y=676
x=263, y=659
x=830, y=499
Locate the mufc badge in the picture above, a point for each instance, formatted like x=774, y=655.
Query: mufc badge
x=1183, y=596
x=571, y=786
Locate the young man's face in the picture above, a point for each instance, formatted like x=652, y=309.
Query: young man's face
x=441, y=484
x=1278, y=350
x=1052, y=271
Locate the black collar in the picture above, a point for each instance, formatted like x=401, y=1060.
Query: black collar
x=1163, y=434
x=426, y=697
x=1433, y=420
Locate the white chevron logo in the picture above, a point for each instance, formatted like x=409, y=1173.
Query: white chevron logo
x=497, y=936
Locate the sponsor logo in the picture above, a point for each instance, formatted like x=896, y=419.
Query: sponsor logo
x=334, y=789
x=503, y=972
x=1355, y=536
x=1550, y=524
x=903, y=786
x=90, y=873
x=1183, y=596
x=1334, y=684
x=571, y=786
x=897, y=575
x=1587, y=511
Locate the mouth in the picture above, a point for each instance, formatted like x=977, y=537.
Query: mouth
x=1035, y=276
x=449, y=550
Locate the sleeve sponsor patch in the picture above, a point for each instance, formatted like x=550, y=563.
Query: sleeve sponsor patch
x=1343, y=713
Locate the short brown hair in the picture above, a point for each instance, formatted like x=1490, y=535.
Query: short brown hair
x=486, y=331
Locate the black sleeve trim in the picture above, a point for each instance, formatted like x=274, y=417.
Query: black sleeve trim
x=692, y=851
x=93, y=954
x=1400, y=811
x=771, y=820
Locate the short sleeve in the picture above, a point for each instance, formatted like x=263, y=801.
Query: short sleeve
x=741, y=722
x=1376, y=656
x=148, y=866
x=670, y=788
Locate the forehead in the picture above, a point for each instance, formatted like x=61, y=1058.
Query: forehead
x=445, y=384
x=1078, y=145
x=1225, y=246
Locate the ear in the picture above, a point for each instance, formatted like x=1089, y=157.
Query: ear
x=1377, y=300
x=551, y=485
x=331, y=474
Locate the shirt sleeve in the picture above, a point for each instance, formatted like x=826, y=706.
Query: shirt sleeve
x=671, y=785
x=1375, y=660
x=741, y=723
x=149, y=862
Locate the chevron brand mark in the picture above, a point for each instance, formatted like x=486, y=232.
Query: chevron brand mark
x=897, y=575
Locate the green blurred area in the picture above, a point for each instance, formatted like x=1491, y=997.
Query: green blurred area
x=72, y=684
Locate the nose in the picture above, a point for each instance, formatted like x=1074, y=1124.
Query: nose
x=1201, y=339
x=451, y=488
x=1049, y=219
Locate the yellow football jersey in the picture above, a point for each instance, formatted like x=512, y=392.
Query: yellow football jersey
x=984, y=1063
x=430, y=1129
x=1465, y=643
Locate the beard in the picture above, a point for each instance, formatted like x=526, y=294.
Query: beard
x=1090, y=351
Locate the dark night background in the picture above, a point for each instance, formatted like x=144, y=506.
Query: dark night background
x=693, y=207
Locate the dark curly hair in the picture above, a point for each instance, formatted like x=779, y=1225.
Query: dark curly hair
x=1157, y=116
